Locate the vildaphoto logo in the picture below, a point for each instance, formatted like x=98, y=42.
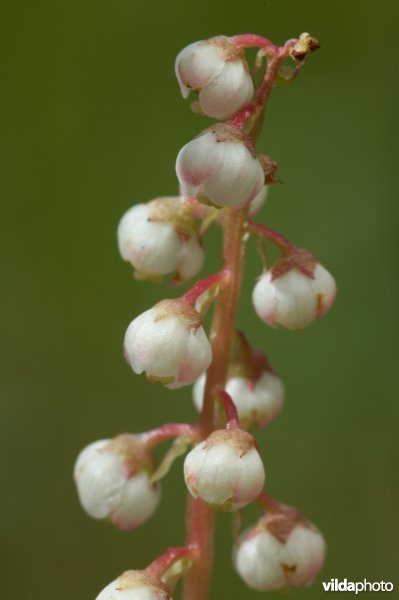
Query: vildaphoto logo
x=335, y=585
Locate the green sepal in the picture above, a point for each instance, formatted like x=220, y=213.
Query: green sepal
x=178, y=448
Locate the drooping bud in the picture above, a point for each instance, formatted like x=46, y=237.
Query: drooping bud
x=281, y=550
x=112, y=478
x=216, y=69
x=220, y=167
x=252, y=383
x=295, y=292
x=135, y=585
x=225, y=471
x=159, y=238
x=169, y=343
x=258, y=403
x=191, y=259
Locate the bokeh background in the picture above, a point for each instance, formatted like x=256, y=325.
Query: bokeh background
x=92, y=121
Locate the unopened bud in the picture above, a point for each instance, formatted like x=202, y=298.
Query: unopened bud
x=169, y=343
x=305, y=44
x=279, y=551
x=135, y=585
x=259, y=200
x=257, y=402
x=216, y=69
x=159, y=238
x=294, y=298
x=112, y=479
x=220, y=167
x=225, y=471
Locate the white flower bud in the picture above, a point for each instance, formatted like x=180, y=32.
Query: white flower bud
x=279, y=552
x=293, y=299
x=112, y=479
x=134, y=585
x=218, y=70
x=218, y=167
x=159, y=238
x=259, y=200
x=168, y=343
x=257, y=403
x=254, y=206
x=225, y=471
x=191, y=259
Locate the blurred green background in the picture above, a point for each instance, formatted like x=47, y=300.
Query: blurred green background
x=92, y=121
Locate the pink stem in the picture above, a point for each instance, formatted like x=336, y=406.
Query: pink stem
x=230, y=409
x=265, y=88
x=165, y=432
x=250, y=40
x=257, y=107
x=200, y=518
x=202, y=286
x=276, y=55
x=270, y=504
x=243, y=114
x=223, y=324
x=200, y=529
x=276, y=238
x=166, y=560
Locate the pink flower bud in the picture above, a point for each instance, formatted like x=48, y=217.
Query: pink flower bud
x=225, y=471
x=220, y=167
x=258, y=403
x=217, y=69
x=159, y=238
x=135, y=585
x=279, y=551
x=112, y=479
x=293, y=299
x=168, y=343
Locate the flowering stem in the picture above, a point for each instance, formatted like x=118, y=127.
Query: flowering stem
x=223, y=324
x=200, y=518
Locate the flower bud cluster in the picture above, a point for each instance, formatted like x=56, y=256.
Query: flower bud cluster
x=113, y=481
x=220, y=168
x=159, y=238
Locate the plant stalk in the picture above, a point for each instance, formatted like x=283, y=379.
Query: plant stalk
x=201, y=519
